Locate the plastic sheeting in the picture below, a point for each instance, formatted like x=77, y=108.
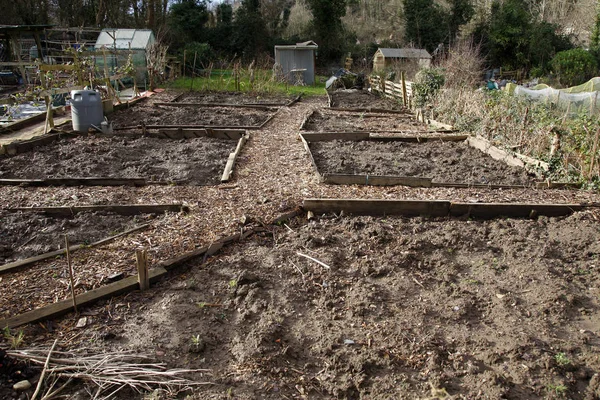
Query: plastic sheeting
x=582, y=98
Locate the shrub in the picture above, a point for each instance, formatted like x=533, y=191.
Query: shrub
x=574, y=66
x=427, y=82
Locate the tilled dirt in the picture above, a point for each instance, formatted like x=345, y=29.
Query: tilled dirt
x=449, y=162
x=274, y=174
x=479, y=309
x=340, y=121
x=235, y=98
x=147, y=114
x=353, y=98
x=26, y=234
x=198, y=161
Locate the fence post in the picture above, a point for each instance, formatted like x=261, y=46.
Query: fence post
x=404, y=95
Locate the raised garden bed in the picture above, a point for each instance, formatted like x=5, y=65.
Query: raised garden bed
x=442, y=160
x=338, y=121
x=233, y=98
x=363, y=100
x=152, y=114
x=25, y=234
x=196, y=157
x=32, y=235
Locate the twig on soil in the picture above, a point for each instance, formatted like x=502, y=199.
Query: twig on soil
x=417, y=282
x=291, y=230
x=315, y=260
x=41, y=381
x=299, y=270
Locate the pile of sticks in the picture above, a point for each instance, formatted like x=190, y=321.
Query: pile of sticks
x=105, y=374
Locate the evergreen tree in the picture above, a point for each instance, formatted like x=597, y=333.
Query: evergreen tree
x=327, y=28
x=249, y=37
x=425, y=23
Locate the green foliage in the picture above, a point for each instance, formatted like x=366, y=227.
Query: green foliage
x=15, y=340
x=574, y=66
x=201, y=51
x=425, y=26
x=327, y=28
x=461, y=12
x=562, y=359
x=513, y=39
x=508, y=32
x=249, y=36
x=187, y=21
x=427, y=83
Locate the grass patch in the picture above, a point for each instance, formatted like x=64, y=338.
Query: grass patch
x=224, y=81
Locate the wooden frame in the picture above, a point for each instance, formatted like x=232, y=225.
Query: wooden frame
x=177, y=134
x=131, y=283
x=383, y=180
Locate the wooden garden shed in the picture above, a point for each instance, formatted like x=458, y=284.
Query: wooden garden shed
x=385, y=58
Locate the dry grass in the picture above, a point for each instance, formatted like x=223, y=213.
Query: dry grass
x=544, y=132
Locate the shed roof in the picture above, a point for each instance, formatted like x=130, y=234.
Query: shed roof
x=121, y=38
x=309, y=45
x=404, y=53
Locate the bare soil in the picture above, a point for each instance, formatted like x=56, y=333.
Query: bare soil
x=505, y=308
x=340, y=121
x=406, y=307
x=235, y=98
x=148, y=114
x=448, y=162
x=26, y=234
x=198, y=161
x=354, y=98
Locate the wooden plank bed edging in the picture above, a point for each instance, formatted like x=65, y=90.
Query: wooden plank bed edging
x=17, y=265
x=310, y=155
x=133, y=127
x=498, y=154
x=209, y=105
x=121, y=209
x=131, y=283
x=232, y=157
x=438, y=208
x=74, y=182
x=188, y=133
x=376, y=180
x=65, y=306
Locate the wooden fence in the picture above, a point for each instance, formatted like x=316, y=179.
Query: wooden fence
x=401, y=90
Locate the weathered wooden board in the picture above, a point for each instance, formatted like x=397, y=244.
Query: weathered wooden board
x=438, y=208
x=328, y=136
x=187, y=133
x=208, y=105
x=17, y=265
x=122, y=209
x=432, y=208
x=65, y=306
x=494, y=152
x=376, y=180
x=232, y=158
x=512, y=210
x=74, y=182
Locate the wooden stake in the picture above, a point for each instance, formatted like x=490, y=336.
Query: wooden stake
x=142, y=267
x=70, y=273
x=594, y=149
x=404, y=94
x=194, y=71
x=184, y=54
